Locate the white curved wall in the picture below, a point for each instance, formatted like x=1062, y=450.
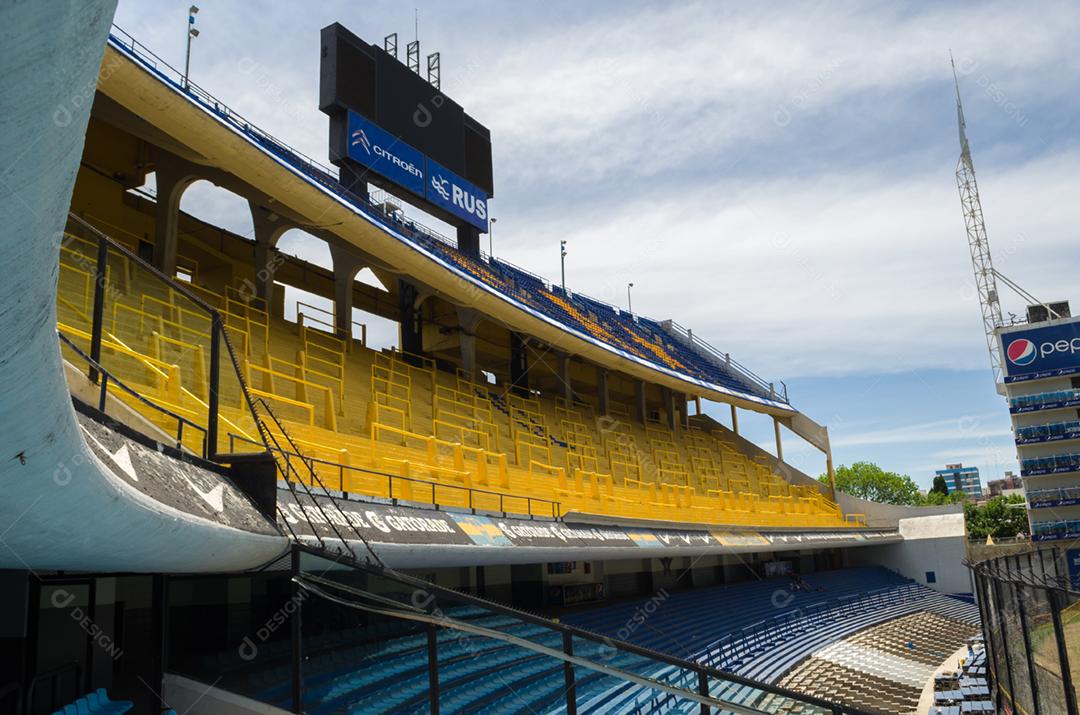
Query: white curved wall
x=50, y=54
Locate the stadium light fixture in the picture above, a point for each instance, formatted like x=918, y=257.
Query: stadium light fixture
x=629, y=303
x=562, y=262
x=191, y=33
x=491, y=239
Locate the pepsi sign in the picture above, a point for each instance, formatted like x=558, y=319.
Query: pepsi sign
x=449, y=191
x=382, y=152
x=1050, y=351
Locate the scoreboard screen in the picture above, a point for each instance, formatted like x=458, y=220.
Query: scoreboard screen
x=361, y=82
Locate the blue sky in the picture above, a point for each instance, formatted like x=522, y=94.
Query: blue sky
x=778, y=177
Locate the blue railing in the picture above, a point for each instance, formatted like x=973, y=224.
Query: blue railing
x=702, y=364
x=1053, y=464
x=1045, y=400
x=1052, y=432
x=1054, y=496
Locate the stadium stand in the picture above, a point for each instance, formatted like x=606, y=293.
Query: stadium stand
x=884, y=667
x=738, y=629
x=606, y=324
x=98, y=703
x=398, y=426
x=965, y=690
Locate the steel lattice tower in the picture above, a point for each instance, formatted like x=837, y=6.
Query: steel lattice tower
x=985, y=279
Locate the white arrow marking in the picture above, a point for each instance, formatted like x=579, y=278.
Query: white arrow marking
x=215, y=497
x=121, y=458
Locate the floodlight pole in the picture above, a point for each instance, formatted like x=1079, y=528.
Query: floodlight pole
x=629, y=303
x=491, y=238
x=562, y=262
x=191, y=33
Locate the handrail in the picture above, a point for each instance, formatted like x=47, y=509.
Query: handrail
x=315, y=479
x=327, y=177
x=106, y=376
x=218, y=334
x=555, y=506
x=427, y=588
x=728, y=361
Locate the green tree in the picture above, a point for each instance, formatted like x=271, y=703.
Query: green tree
x=934, y=498
x=1000, y=517
x=940, y=487
x=867, y=480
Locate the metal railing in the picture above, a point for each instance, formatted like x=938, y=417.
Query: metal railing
x=107, y=378
x=725, y=361
x=1030, y=608
x=218, y=336
x=430, y=604
x=551, y=508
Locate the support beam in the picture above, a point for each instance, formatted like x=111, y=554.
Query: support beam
x=829, y=466
x=468, y=320
x=173, y=176
x=735, y=419
x=669, y=407
x=412, y=341
x=602, y=390
x=519, y=365
x=468, y=240
x=346, y=265
x=779, y=443
x=564, y=377
x=640, y=404
x=269, y=227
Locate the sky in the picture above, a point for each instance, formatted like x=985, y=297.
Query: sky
x=777, y=177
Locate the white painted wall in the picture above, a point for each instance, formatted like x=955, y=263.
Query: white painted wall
x=931, y=543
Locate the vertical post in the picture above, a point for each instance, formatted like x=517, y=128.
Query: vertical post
x=735, y=419
x=1056, y=597
x=159, y=607
x=216, y=328
x=91, y=611
x=568, y=674
x=779, y=443
x=297, y=675
x=1028, y=655
x=99, y=305
x=1004, y=636
x=703, y=689
x=433, y=668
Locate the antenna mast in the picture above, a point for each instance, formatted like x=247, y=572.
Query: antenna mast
x=985, y=276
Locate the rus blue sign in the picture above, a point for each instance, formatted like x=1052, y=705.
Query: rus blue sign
x=1050, y=351
x=449, y=191
x=382, y=152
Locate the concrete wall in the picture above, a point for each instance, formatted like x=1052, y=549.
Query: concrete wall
x=935, y=543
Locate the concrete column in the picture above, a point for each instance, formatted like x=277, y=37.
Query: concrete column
x=268, y=230
x=668, y=396
x=173, y=177
x=564, y=376
x=829, y=465
x=346, y=266
x=602, y=389
x=519, y=365
x=468, y=320
x=468, y=240
x=640, y=404
x=735, y=419
x=412, y=341
x=779, y=444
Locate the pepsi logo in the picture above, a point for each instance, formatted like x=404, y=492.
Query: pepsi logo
x=1021, y=352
